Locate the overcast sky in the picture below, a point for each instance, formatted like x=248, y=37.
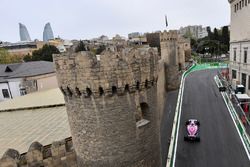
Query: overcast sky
x=84, y=19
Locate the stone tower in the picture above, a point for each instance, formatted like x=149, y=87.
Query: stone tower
x=111, y=104
x=173, y=54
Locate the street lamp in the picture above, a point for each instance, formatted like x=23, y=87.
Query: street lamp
x=206, y=51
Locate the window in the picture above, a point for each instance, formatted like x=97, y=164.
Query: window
x=245, y=55
x=145, y=111
x=234, y=74
x=243, y=79
x=243, y=3
x=235, y=54
x=180, y=66
x=249, y=82
x=235, y=9
x=5, y=93
x=23, y=91
x=240, y=5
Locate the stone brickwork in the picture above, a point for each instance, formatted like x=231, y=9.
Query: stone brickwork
x=153, y=39
x=185, y=47
x=112, y=106
x=174, y=49
x=58, y=154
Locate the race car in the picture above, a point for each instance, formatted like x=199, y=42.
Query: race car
x=192, y=126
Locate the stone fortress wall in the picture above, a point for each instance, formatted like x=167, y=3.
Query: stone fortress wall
x=112, y=106
x=57, y=154
x=174, y=50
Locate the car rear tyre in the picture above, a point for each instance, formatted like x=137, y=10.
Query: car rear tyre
x=198, y=123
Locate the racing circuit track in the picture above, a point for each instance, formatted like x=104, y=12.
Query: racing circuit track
x=220, y=144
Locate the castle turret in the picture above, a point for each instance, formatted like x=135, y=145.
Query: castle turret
x=173, y=52
x=111, y=104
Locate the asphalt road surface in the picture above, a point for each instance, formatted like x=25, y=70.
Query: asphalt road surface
x=167, y=124
x=220, y=144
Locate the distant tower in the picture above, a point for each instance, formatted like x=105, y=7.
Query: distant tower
x=112, y=106
x=24, y=34
x=47, y=33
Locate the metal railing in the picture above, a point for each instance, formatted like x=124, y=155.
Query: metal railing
x=235, y=117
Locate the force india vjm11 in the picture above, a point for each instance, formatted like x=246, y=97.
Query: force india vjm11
x=192, y=127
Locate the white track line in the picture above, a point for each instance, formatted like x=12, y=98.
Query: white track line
x=179, y=118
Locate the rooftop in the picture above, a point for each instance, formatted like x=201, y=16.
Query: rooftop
x=32, y=118
x=27, y=69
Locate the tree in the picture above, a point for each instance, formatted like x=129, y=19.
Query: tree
x=15, y=59
x=193, y=43
x=216, y=35
x=7, y=58
x=45, y=53
x=100, y=49
x=4, y=56
x=27, y=58
x=210, y=34
x=225, y=37
x=80, y=47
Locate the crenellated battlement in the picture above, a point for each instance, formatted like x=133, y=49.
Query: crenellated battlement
x=171, y=35
x=59, y=153
x=85, y=74
x=111, y=105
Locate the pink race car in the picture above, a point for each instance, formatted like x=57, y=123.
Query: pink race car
x=192, y=126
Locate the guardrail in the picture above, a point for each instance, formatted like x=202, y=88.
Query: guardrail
x=176, y=123
x=233, y=97
x=237, y=122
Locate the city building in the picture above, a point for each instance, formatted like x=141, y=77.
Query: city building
x=133, y=35
x=21, y=78
x=47, y=33
x=203, y=33
x=21, y=48
x=196, y=31
x=239, y=67
x=24, y=34
x=62, y=45
x=136, y=38
x=102, y=40
x=119, y=40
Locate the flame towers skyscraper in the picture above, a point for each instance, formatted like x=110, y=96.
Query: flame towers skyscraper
x=47, y=33
x=24, y=34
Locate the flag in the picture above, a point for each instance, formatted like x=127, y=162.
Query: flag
x=166, y=20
